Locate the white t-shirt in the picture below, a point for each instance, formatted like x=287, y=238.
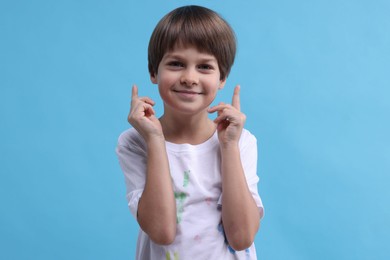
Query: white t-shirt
x=196, y=177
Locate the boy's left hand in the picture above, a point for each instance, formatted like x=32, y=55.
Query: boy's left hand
x=230, y=120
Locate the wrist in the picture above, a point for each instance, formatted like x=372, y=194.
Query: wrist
x=229, y=146
x=153, y=140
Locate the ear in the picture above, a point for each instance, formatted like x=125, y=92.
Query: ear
x=153, y=78
x=222, y=83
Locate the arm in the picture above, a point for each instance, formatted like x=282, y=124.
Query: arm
x=157, y=207
x=240, y=214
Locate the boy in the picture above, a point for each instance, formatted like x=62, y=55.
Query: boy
x=191, y=182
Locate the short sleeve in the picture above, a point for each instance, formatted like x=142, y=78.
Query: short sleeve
x=131, y=152
x=248, y=152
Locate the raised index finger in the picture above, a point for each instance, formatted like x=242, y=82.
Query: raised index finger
x=236, y=98
x=134, y=91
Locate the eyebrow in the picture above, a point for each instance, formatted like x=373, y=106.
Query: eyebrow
x=181, y=57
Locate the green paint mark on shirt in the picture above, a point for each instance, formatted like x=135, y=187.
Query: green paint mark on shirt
x=186, y=178
x=168, y=256
x=180, y=197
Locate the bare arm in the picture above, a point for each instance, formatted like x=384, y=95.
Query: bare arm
x=240, y=215
x=157, y=207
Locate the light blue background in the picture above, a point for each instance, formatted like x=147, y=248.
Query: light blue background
x=315, y=79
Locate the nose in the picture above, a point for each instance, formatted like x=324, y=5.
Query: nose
x=189, y=77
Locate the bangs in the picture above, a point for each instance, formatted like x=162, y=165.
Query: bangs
x=190, y=31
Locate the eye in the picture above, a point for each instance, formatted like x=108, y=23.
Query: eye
x=205, y=67
x=175, y=64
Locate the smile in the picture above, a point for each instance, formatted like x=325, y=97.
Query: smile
x=186, y=92
x=186, y=95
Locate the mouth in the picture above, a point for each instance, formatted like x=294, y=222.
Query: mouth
x=187, y=92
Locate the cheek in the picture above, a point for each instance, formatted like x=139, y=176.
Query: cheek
x=166, y=78
x=218, y=85
x=213, y=90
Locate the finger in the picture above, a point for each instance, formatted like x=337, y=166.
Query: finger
x=236, y=98
x=134, y=94
x=148, y=111
x=220, y=106
x=222, y=118
x=142, y=109
x=134, y=91
x=224, y=115
x=147, y=100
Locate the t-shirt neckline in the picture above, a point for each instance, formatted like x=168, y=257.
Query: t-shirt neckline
x=209, y=143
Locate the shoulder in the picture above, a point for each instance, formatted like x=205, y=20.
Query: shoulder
x=247, y=138
x=130, y=138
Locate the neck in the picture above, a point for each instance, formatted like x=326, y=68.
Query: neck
x=192, y=129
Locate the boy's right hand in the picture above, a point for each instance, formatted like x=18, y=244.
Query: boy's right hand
x=142, y=116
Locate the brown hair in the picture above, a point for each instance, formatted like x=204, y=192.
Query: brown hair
x=193, y=26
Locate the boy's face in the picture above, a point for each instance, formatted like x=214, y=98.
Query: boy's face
x=188, y=80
